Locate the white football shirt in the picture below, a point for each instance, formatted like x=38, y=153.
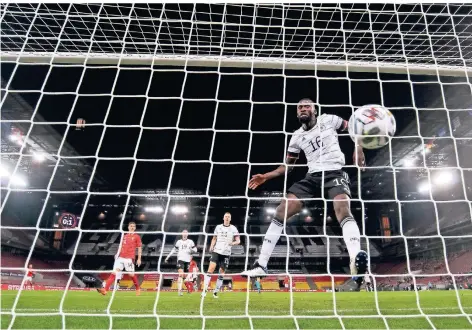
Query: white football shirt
x=320, y=144
x=184, y=249
x=225, y=235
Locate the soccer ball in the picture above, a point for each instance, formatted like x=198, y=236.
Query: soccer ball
x=371, y=126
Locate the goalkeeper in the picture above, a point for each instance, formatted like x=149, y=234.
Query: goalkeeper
x=318, y=138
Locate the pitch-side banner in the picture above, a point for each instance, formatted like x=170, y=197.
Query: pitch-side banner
x=40, y=288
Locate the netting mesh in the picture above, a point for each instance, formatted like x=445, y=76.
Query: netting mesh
x=376, y=33
x=432, y=139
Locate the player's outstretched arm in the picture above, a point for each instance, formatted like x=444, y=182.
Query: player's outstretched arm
x=170, y=253
x=259, y=179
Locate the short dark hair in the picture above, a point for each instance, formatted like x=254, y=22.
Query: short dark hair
x=306, y=99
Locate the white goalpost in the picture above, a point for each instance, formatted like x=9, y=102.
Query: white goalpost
x=390, y=43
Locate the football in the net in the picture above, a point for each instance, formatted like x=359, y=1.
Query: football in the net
x=372, y=126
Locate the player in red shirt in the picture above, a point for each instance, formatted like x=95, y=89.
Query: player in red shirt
x=125, y=259
x=286, y=283
x=29, y=276
x=192, y=276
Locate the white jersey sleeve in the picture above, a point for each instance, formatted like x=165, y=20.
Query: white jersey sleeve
x=293, y=146
x=335, y=121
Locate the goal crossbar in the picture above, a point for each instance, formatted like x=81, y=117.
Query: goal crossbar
x=234, y=61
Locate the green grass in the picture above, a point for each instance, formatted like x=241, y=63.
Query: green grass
x=269, y=310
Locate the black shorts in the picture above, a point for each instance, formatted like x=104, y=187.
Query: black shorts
x=221, y=261
x=183, y=265
x=335, y=183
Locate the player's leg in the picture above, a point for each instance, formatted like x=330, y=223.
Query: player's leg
x=117, y=268
x=188, y=282
x=211, y=269
x=337, y=187
x=287, y=208
x=119, y=276
x=180, y=281
x=351, y=235
x=219, y=282
x=129, y=267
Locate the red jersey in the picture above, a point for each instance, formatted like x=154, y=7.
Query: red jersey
x=131, y=241
x=193, y=268
x=30, y=273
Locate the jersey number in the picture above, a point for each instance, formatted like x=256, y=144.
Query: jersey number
x=342, y=182
x=318, y=143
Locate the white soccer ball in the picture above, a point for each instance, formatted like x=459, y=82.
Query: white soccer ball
x=371, y=126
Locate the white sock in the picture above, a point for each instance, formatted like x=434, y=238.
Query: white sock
x=219, y=282
x=179, y=283
x=351, y=235
x=207, y=282
x=270, y=239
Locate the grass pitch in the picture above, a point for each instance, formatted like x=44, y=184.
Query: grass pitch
x=238, y=310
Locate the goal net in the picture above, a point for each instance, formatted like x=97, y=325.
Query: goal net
x=159, y=114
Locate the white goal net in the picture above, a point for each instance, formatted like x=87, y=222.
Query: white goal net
x=161, y=113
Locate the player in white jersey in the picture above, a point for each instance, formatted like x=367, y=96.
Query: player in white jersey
x=318, y=139
x=226, y=236
x=184, y=248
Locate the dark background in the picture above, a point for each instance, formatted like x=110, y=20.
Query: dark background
x=193, y=135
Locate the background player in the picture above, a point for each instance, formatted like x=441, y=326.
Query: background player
x=226, y=236
x=29, y=276
x=185, y=247
x=192, y=276
x=125, y=259
x=318, y=139
x=258, y=285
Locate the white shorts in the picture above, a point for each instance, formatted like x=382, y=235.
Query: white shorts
x=124, y=263
x=29, y=279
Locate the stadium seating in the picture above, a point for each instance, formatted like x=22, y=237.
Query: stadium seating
x=148, y=284
x=240, y=285
x=462, y=263
x=326, y=282
x=126, y=283
x=270, y=285
x=302, y=286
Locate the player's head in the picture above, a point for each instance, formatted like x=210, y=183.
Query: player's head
x=184, y=234
x=306, y=110
x=227, y=219
x=132, y=226
x=30, y=266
